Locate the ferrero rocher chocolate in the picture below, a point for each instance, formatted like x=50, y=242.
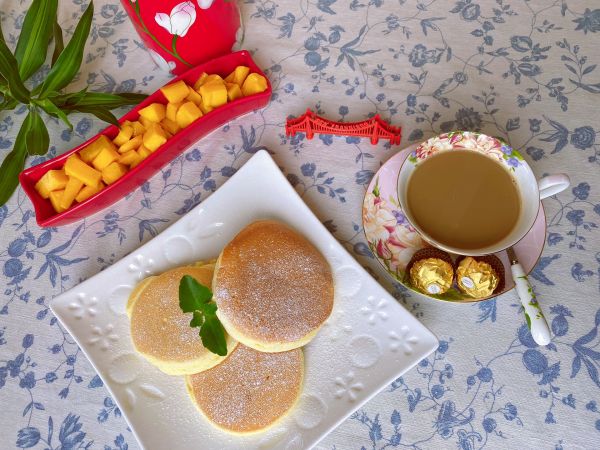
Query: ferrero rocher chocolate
x=431, y=275
x=477, y=279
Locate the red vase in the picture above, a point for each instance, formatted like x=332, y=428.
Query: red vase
x=182, y=34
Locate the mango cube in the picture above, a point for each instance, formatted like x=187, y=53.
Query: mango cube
x=155, y=136
x=155, y=112
x=214, y=94
x=144, y=152
x=104, y=158
x=124, y=135
x=187, y=113
x=170, y=126
x=233, y=91
x=75, y=167
x=71, y=190
x=145, y=123
x=175, y=92
x=194, y=96
x=212, y=78
x=51, y=181
x=254, y=84
x=138, y=128
x=200, y=81
x=113, y=172
x=88, y=153
x=204, y=108
x=87, y=191
x=129, y=158
x=238, y=75
x=172, y=111
x=55, y=198
x=132, y=144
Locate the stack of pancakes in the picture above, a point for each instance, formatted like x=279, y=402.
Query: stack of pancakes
x=274, y=291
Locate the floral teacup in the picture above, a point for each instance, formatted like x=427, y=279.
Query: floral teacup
x=530, y=189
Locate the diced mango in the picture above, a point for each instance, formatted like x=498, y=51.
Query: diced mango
x=254, y=84
x=170, y=125
x=51, y=181
x=55, y=198
x=144, y=152
x=113, y=172
x=172, y=111
x=71, y=190
x=75, y=167
x=187, y=113
x=132, y=144
x=155, y=136
x=87, y=191
x=154, y=112
x=145, y=122
x=129, y=158
x=205, y=109
x=238, y=75
x=233, y=91
x=105, y=157
x=138, y=128
x=175, y=92
x=88, y=153
x=212, y=78
x=214, y=94
x=194, y=96
x=124, y=135
x=200, y=81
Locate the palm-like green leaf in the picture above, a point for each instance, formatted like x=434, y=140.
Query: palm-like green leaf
x=68, y=63
x=32, y=45
x=101, y=99
x=101, y=113
x=12, y=166
x=10, y=73
x=36, y=139
x=54, y=111
x=59, y=44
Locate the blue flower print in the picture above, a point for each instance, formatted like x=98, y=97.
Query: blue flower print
x=489, y=424
x=535, y=361
x=581, y=191
x=484, y=374
x=589, y=22
x=419, y=56
x=583, y=137
x=468, y=119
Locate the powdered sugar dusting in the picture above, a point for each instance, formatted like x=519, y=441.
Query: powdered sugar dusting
x=249, y=390
x=158, y=326
x=272, y=284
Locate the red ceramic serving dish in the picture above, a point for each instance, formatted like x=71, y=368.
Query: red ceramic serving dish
x=45, y=214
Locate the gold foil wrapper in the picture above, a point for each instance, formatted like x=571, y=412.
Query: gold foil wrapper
x=432, y=276
x=476, y=278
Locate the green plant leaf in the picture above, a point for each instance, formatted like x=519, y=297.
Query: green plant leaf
x=212, y=334
x=100, y=99
x=10, y=73
x=32, y=45
x=54, y=111
x=197, y=320
x=59, y=43
x=12, y=166
x=192, y=295
x=37, y=138
x=8, y=103
x=100, y=113
x=69, y=61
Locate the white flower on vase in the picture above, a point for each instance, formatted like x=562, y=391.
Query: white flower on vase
x=161, y=62
x=179, y=21
x=205, y=4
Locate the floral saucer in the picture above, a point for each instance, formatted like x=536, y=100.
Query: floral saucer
x=393, y=240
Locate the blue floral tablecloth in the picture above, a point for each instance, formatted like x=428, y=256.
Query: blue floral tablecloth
x=523, y=70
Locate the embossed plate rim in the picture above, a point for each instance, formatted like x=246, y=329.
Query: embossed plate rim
x=258, y=189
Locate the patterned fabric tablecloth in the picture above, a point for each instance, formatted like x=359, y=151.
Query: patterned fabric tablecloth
x=523, y=70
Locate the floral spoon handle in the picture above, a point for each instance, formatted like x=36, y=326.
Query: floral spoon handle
x=533, y=314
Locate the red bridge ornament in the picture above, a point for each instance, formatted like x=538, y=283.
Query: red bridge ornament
x=374, y=128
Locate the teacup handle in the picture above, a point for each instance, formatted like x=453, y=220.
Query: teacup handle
x=553, y=184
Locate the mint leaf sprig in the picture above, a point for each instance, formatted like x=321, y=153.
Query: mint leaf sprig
x=196, y=298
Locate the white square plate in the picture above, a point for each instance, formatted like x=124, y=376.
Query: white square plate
x=367, y=342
